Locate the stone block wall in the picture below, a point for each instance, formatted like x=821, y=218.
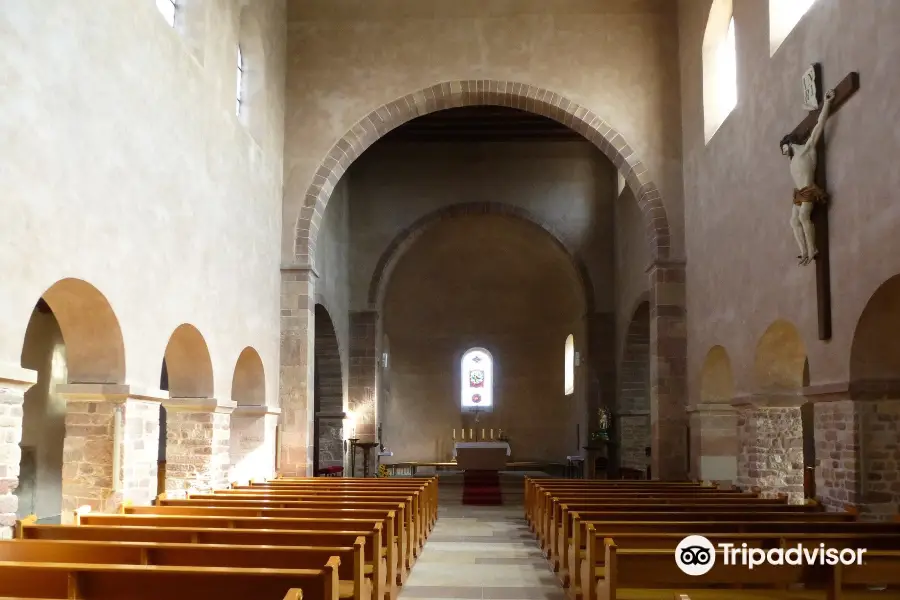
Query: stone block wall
x=140, y=451
x=197, y=450
x=252, y=446
x=838, y=469
x=668, y=371
x=771, y=451
x=329, y=392
x=11, y=398
x=89, y=456
x=714, y=443
x=881, y=458
x=634, y=437
x=633, y=406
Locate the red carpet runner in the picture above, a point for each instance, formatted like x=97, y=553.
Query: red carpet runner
x=482, y=488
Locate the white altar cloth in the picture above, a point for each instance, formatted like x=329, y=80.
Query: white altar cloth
x=481, y=445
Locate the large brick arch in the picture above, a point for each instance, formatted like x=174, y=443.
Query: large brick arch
x=452, y=94
x=405, y=238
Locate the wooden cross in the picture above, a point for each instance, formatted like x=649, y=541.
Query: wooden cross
x=842, y=91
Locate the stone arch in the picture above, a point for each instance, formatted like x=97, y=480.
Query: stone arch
x=248, y=385
x=405, y=239
x=875, y=389
x=95, y=349
x=328, y=394
x=72, y=336
x=875, y=351
x=780, y=361
x=451, y=94
x=633, y=400
x=253, y=83
x=716, y=378
x=776, y=434
x=188, y=364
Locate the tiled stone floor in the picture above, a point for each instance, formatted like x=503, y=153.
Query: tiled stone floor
x=479, y=553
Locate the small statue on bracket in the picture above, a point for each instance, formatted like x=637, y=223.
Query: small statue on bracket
x=603, y=420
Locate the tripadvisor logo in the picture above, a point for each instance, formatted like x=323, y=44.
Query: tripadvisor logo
x=695, y=555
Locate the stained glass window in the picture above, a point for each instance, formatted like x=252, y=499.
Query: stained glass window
x=570, y=365
x=477, y=375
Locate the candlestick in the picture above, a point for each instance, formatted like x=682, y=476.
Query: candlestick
x=471, y=433
x=482, y=433
x=492, y=434
x=454, y=434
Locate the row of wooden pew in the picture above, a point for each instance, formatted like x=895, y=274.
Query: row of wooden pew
x=617, y=539
x=283, y=539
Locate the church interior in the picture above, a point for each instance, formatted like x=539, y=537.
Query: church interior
x=448, y=299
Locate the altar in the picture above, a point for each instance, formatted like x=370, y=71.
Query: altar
x=481, y=456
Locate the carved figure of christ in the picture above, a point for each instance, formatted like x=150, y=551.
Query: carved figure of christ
x=803, y=162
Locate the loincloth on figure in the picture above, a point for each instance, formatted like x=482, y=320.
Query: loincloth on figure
x=811, y=193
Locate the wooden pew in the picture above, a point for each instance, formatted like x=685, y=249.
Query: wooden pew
x=634, y=573
x=561, y=536
x=425, y=497
x=411, y=499
x=375, y=567
x=428, y=487
x=813, y=532
x=340, y=511
x=560, y=523
x=405, y=517
x=352, y=582
x=535, y=486
x=429, y=484
x=544, y=498
x=148, y=582
x=227, y=522
x=669, y=541
x=547, y=505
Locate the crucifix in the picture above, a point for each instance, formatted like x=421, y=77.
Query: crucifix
x=805, y=146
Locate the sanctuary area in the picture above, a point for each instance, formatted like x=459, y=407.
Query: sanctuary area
x=289, y=288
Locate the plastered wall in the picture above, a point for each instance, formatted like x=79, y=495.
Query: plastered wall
x=126, y=166
x=742, y=273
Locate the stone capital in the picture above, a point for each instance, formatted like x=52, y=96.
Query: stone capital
x=255, y=410
x=94, y=392
x=711, y=408
x=300, y=268
x=827, y=392
x=779, y=399
x=199, y=405
x=671, y=263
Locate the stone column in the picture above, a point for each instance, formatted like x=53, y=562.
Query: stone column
x=714, y=442
x=198, y=434
x=14, y=382
x=296, y=373
x=838, y=423
x=668, y=370
x=770, y=442
x=253, y=442
x=111, y=447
